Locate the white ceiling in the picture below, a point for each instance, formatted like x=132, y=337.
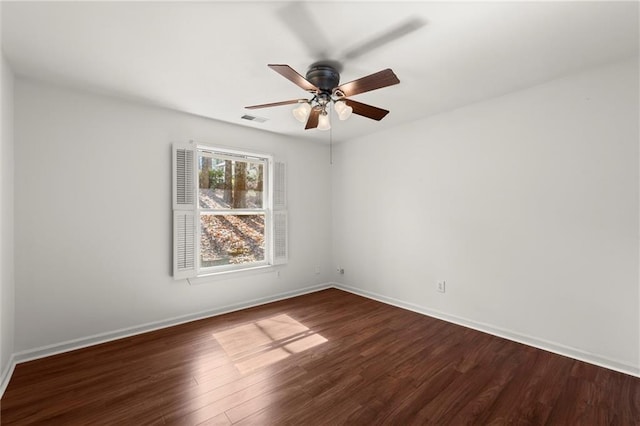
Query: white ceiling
x=209, y=58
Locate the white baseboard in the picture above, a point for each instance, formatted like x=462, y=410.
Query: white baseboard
x=84, y=342
x=500, y=332
x=6, y=374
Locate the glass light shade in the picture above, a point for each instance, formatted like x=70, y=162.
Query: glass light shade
x=346, y=113
x=301, y=113
x=343, y=110
x=323, y=122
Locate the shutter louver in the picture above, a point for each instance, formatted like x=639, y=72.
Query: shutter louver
x=184, y=233
x=280, y=243
x=184, y=179
x=185, y=218
x=279, y=186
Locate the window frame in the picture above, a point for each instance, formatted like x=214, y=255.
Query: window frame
x=235, y=155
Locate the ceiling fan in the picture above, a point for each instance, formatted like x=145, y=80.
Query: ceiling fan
x=322, y=81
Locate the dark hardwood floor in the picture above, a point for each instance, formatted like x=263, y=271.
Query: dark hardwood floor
x=321, y=359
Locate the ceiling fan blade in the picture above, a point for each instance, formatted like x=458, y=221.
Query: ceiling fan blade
x=374, y=81
x=298, y=19
x=312, y=122
x=293, y=101
x=292, y=75
x=365, y=110
x=386, y=37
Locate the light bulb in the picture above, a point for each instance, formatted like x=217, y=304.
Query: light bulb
x=301, y=113
x=323, y=122
x=339, y=106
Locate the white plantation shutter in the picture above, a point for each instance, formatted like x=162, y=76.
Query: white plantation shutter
x=184, y=190
x=185, y=218
x=184, y=248
x=279, y=185
x=279, y=240
x=280, y=246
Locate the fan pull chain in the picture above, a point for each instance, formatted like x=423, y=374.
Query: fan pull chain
x=330, y=142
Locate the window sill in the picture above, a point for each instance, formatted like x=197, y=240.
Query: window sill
x=237, y=273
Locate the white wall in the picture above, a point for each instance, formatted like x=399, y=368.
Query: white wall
x=527, y=205
x=93, y=215
x=6, y=218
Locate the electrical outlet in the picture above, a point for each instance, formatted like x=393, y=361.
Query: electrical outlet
x=441, y=286
x=317, y=270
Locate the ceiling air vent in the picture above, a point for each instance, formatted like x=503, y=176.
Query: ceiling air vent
x=253, y=118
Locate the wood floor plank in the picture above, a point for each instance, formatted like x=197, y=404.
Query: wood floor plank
x=194, y=410
x=328, y=357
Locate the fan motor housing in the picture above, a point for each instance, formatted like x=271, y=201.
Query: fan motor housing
x=324, y=76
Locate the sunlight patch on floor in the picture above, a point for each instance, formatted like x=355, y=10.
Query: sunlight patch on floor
x=257, y=344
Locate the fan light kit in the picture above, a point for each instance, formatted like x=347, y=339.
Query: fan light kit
x=322, y=81
x=302, y=112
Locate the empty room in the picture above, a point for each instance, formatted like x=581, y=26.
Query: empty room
x=320, y=213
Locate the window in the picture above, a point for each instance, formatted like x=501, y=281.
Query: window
x=229, y=211
x=232, y=209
